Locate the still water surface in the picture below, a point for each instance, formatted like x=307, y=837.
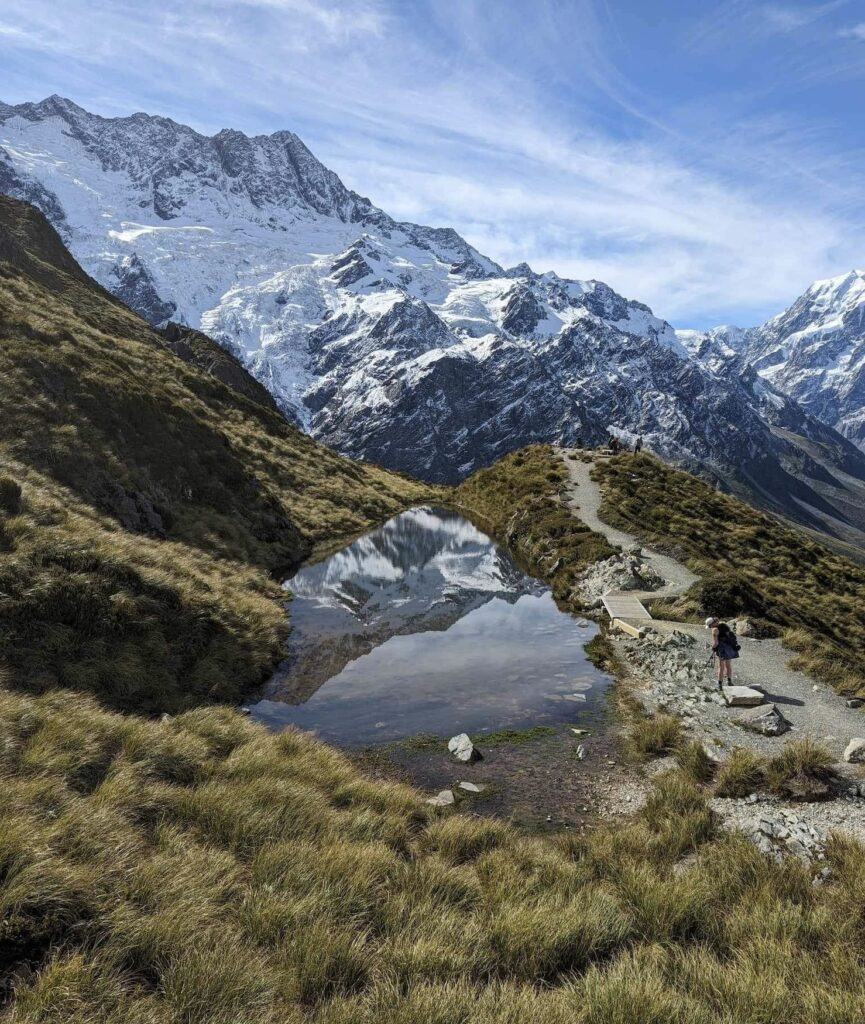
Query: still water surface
x=426, y=625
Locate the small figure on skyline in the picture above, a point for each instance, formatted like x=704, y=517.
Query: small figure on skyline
x=638, y=445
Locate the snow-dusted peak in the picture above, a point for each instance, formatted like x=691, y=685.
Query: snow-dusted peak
x=391, y=341
x=521, y=270
x=813, y=352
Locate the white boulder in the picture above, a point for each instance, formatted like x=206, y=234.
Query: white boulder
x=742, y=696
x=443, y=799
x=463, y=749
x=855, y=752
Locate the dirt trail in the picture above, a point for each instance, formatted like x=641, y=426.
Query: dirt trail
x=584, y=498
x=813, y=709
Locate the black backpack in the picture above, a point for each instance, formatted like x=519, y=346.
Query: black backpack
x=727, y=636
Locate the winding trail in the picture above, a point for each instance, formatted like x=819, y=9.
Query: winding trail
x=584, y=498
x=813, y=709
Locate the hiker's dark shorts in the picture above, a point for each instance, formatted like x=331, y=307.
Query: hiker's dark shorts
x=726, y=652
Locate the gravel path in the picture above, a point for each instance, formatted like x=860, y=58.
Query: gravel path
x=812, y=709
x=584, y=498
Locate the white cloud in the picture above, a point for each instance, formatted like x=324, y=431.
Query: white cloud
x=854, y=32
x=475, y=116
x=789, y=19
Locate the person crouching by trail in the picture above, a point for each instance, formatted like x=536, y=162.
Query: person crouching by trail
x=725, y=647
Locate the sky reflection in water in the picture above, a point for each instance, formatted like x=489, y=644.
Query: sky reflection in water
x=427, y=626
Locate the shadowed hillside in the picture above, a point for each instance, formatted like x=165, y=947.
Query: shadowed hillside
x=147, y=503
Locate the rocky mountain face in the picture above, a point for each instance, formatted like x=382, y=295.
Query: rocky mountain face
x=814, y=352
x=390, y=341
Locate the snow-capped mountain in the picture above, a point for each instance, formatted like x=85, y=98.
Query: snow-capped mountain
x=815, y=352
x=391, y=341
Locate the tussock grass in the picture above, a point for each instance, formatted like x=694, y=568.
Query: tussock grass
x=803, y=768
x=654, y=736
x=519, y=500
x=259, y=878
x=751, y=564
x=695, y=762
x=743, y=772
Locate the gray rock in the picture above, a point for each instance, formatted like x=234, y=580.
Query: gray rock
x=855, y=751
x=470, y=787
x=443, y=799
x=854, y=702
x=463, y=749
x=743, y=696
x=765, y=719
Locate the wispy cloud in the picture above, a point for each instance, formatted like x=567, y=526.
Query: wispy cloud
x=784, y=18
x=854, y=32
x=523, y=132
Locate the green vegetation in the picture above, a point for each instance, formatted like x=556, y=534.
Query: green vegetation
x=751, y=564
x=601, y=653
x=145, y=504
x=654, y=736
x=519, y=499
x=803, y=770
x=492, y=739
x=203, y=870
x=741, y=774
x=695, y=762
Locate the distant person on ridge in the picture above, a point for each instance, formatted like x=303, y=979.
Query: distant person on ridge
x=638, y=445
x=725, y=647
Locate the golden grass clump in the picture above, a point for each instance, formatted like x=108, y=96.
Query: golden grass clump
x=201, y=869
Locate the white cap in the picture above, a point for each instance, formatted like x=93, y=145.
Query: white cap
x=710, y=621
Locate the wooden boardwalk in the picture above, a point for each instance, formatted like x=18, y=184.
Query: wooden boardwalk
x=624, y=606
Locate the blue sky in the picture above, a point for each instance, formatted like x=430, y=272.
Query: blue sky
x=706, y=157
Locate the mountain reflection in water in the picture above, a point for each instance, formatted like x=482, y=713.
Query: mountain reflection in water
x=425, y=625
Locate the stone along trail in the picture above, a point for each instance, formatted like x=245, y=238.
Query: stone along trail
x=584, y=499
x=673, y=671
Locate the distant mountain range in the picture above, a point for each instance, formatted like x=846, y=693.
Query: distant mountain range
x=402, y=344
x=814, y=351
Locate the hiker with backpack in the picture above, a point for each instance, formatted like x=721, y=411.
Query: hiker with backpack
x=725, y=647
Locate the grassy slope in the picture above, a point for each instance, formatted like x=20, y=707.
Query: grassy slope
x=750, y=563
x=111, y=436
x=519, y=500
x=203, y=870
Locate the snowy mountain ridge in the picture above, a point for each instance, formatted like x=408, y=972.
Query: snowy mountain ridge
x=813, y=352
x=391, y=341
